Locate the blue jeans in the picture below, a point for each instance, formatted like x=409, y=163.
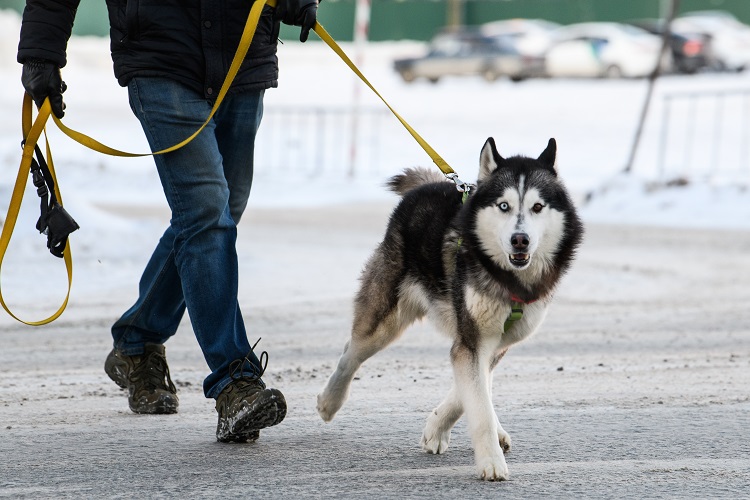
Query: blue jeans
x=194, y=265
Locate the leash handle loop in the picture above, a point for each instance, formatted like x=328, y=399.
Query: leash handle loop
x=31, y=134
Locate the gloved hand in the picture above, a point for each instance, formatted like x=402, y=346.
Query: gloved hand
x=42, y=79
x=298, y=13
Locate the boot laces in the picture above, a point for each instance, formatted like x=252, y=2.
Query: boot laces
x=153, y=371
x=238, y=368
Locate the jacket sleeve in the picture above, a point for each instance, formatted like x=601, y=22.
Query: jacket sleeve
x=45, y=30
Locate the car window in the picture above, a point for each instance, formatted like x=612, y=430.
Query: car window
x=465, y=44
x=446, y=47
x=483, y=46
x=504, y=45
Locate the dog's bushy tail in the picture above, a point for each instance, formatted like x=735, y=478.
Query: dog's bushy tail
x=413, y=178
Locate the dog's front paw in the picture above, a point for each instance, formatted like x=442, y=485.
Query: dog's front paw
x=492, y=468
x=327, y=407
x=435, y=442
x=504, y=439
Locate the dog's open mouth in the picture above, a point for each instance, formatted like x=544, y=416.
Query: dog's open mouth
x=519, y=259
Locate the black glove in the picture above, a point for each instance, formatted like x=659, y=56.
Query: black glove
x=41, y=79
x=298, y=13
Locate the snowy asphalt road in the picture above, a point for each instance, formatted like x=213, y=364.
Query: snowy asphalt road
x=636, y=386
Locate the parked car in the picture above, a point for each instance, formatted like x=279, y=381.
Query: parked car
x=609, y=50
x=531, y=37
x=729, y=37
x=469, y=53
x=691, y=52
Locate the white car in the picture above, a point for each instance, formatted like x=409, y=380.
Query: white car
x=596, y=50
x=469, y=53
x=531, y=37
x=730, y=39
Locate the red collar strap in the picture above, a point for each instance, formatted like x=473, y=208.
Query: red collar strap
x=516, y=299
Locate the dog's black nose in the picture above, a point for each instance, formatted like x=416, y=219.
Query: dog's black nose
x=520, y=241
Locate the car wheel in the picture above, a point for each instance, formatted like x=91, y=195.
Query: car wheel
x=433, y=79
x=613, y=71
x=718, y=66
x=407, y=75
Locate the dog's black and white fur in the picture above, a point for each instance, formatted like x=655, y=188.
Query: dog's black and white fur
x=463, y=265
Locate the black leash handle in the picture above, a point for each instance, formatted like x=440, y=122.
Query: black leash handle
x=54, y=221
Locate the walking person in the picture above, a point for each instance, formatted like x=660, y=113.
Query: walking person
x=173, y=55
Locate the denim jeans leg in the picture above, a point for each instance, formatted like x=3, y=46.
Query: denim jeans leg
x=194, y=266
x=160, y=306
x=236, y=126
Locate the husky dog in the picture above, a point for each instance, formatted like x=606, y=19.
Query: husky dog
x=472, y=268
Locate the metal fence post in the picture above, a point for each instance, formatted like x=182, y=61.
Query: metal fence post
x=664, y=136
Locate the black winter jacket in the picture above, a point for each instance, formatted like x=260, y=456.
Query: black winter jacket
x=191, y=41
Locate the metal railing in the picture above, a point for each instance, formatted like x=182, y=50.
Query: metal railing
x=316, y=141
x=706, y=134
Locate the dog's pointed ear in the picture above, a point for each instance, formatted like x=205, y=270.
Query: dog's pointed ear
x=489, y=159
x=549, y=155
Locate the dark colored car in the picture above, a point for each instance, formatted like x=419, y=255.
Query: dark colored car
x=469, y=53
x=691, y=52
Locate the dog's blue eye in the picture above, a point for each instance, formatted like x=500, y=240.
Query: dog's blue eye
x=504, y=206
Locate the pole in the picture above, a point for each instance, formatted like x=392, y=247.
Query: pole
x=455, y=13
x=651, y=81
x=361, y=30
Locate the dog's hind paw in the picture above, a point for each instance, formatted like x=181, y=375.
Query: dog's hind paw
x=492, y=469
x=435, y=443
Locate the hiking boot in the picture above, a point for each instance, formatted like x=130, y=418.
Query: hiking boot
x=245, y=406
x=146, y=377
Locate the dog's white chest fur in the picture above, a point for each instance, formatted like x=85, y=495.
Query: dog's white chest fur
x=489, y=315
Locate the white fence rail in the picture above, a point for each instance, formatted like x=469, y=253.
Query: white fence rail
x=705, y=134
x=316, y=141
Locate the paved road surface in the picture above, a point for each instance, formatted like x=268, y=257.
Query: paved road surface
x=636, y=387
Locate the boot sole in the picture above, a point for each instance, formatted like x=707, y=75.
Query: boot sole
x=166, y=404
x=250, y=437
x=267, y=410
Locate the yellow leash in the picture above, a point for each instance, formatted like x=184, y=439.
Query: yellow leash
x=436, y=158
x=239, y=56
x=247, y=37
x=32, y=133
